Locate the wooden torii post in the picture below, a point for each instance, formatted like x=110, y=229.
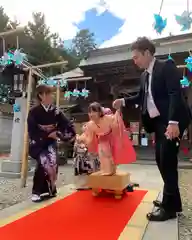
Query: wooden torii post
x=24, y=167
x=2, y=34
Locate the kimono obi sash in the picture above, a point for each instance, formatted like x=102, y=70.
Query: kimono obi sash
x=48, y=128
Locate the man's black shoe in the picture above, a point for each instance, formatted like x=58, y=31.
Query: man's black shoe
x=157, y=203
x=161, y=215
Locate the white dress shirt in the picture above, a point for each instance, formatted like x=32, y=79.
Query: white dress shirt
x=151, y=107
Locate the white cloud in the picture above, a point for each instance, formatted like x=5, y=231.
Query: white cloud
x=138, y=15
x=139, y=19
x=60, y=15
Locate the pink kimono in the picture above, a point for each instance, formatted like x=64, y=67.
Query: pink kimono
x=110, y=140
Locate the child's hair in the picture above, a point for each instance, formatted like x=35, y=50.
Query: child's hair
x=96, y=107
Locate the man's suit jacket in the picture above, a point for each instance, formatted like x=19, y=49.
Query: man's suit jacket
x=167, y=95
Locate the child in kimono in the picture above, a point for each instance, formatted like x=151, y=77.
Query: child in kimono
x=106, y=135
x=84, y=163
x=46, y=126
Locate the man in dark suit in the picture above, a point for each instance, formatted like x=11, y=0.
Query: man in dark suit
x=164, y=112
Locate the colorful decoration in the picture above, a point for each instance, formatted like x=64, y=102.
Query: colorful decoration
x=10, y=57
x=76, y=93
x=67, y=95
x=170, y=58
x=4, y=93
x=16, y=107
x=184, y=20
x=159, y=24
x=63, y=83
x=53, y=82
x=85, y=93
x=188, y=62
x=185, y=82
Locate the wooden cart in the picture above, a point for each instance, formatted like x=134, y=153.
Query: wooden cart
x=102, y=185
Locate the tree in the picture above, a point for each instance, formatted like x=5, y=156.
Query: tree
x=37, y=41
x=83, y=42
x=45, y=46
x=40, y=49
x=4, y=19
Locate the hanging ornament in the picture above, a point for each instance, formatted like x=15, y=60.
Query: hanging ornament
x=52, y=82
x=169, y=56
x=63, y=82
x=185, y=19
x=75, y=93
x=10, y=57
x=16, y=107
x=159, y=23
x=188, y=62
x=67, y=95
x=19, y=57
x=85, y=93
x=185, y=82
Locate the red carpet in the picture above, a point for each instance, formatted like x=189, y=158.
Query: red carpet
x=78, y=216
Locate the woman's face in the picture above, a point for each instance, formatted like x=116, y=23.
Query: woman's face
x=47, y=99
x=94, y=115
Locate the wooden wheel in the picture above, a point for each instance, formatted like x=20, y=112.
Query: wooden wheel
x=118, y=196
x=95, y=192
x=125, y=191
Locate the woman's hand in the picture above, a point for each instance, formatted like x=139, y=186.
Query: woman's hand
x=53, y=135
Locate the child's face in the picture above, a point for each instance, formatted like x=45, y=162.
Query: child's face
x=82, y=145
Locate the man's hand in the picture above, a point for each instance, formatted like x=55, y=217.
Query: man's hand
x=118, y=103
x=53, y=135
x=172, y=131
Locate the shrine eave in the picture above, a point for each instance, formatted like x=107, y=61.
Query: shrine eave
x=164, y=46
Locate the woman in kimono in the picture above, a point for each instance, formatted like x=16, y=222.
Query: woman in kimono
x=46, y=126
x=106, y=134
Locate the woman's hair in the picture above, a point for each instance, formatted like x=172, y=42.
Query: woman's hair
x=96, y=107
x=42, y=89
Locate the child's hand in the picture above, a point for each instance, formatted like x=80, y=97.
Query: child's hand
x=78, y=138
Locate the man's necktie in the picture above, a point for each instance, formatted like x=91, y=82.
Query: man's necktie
x=146, y=86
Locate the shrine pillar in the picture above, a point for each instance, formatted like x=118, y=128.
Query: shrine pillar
x=12, y=167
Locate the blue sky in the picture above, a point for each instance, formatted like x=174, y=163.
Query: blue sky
x=98, y=23
x=122, y=23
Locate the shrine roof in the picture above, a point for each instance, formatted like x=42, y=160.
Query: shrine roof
x=74, y=75
x=172, y=44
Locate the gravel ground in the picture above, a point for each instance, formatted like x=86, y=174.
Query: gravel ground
x=185, y=220
x=11, y=192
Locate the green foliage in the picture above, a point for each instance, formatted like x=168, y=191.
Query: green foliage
x=43, y=46
x=83, y=42
x=4, y=93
